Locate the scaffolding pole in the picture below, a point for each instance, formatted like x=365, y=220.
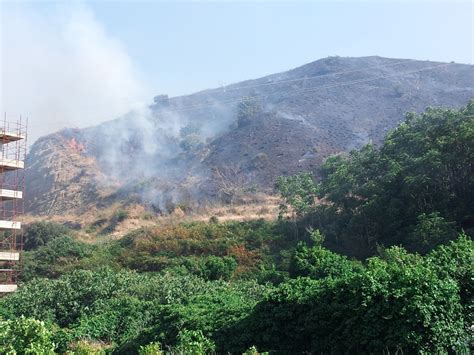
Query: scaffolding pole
x=13, y=134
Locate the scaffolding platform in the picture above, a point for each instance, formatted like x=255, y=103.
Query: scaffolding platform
x=11, y=164
x=8, y=288
x=6, y=194
x=6, y=225
x=9, y=256
x=8, y=137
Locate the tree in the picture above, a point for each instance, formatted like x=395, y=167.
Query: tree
x=216, y=268
x=39, y=233
x=398, y=303
x=415, y=190
x=298, y=192
x=318, y=263
x=430, y=231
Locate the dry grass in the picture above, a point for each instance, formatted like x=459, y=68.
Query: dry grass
x=90, y=225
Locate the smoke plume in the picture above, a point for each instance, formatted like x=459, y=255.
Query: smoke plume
x=61, y=68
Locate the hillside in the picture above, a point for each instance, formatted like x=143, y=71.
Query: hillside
x=217, y=142
x=384, y=266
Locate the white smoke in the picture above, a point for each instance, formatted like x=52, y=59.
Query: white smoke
x=61, y=68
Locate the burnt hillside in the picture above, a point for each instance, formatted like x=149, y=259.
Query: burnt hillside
x=194, y=146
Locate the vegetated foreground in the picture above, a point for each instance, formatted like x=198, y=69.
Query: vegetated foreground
x=377, y=258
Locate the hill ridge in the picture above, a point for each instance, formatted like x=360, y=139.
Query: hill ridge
x=161, y=154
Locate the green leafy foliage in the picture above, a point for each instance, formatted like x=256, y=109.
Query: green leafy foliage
x=211, y=250
x=120, y=215
x=430, y=231
x=38, y=234
x=219, y=268
x=193, y=342
x=398, y=301
x=59, y=255
x=25, y=336
x=298, y=191
x=131, y=309
x=395, y=304
x=253, y=351
x=456, y=261
x=415, y=190
x=317, y=263
x=150, y=349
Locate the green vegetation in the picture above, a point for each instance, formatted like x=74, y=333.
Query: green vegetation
x=415, y=191
x=377, y=257
x=25, y=336
x=394, y=301
x=39, y=233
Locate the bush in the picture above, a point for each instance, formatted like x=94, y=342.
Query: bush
x=40, y=233
x=63, y=301
x=405, y=192
x=147, y=216
x=216, y=268
x=150, y=349
x=317, y=262
x=455, y=261
x=213, y=220
x=395, y=302
x=120, y=215
x=191, y=143
x=193, y=342
x=84, y=347
x=253, y=351
x=430, y=231
x=57, y=256
x=25, y=336
x=399, y=303
x=116, y=320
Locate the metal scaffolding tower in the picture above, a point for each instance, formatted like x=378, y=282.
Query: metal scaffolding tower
x=12, y=183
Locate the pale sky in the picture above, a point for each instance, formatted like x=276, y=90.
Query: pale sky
x=77, y=63
x=182, y=47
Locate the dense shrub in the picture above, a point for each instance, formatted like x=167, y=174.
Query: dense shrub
x=25, y=336
x=193, y=342
x=58, y=256
x=40, y=233
x=398, y=301
x=219, y=268
x=430, y=231
x=130, y=309
x=317, y=262
x=150, y=349
x=415, y=190
x=63, y=300
x=456, y=261
x=115, y=319
x=395, y=304
x=192, y=244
